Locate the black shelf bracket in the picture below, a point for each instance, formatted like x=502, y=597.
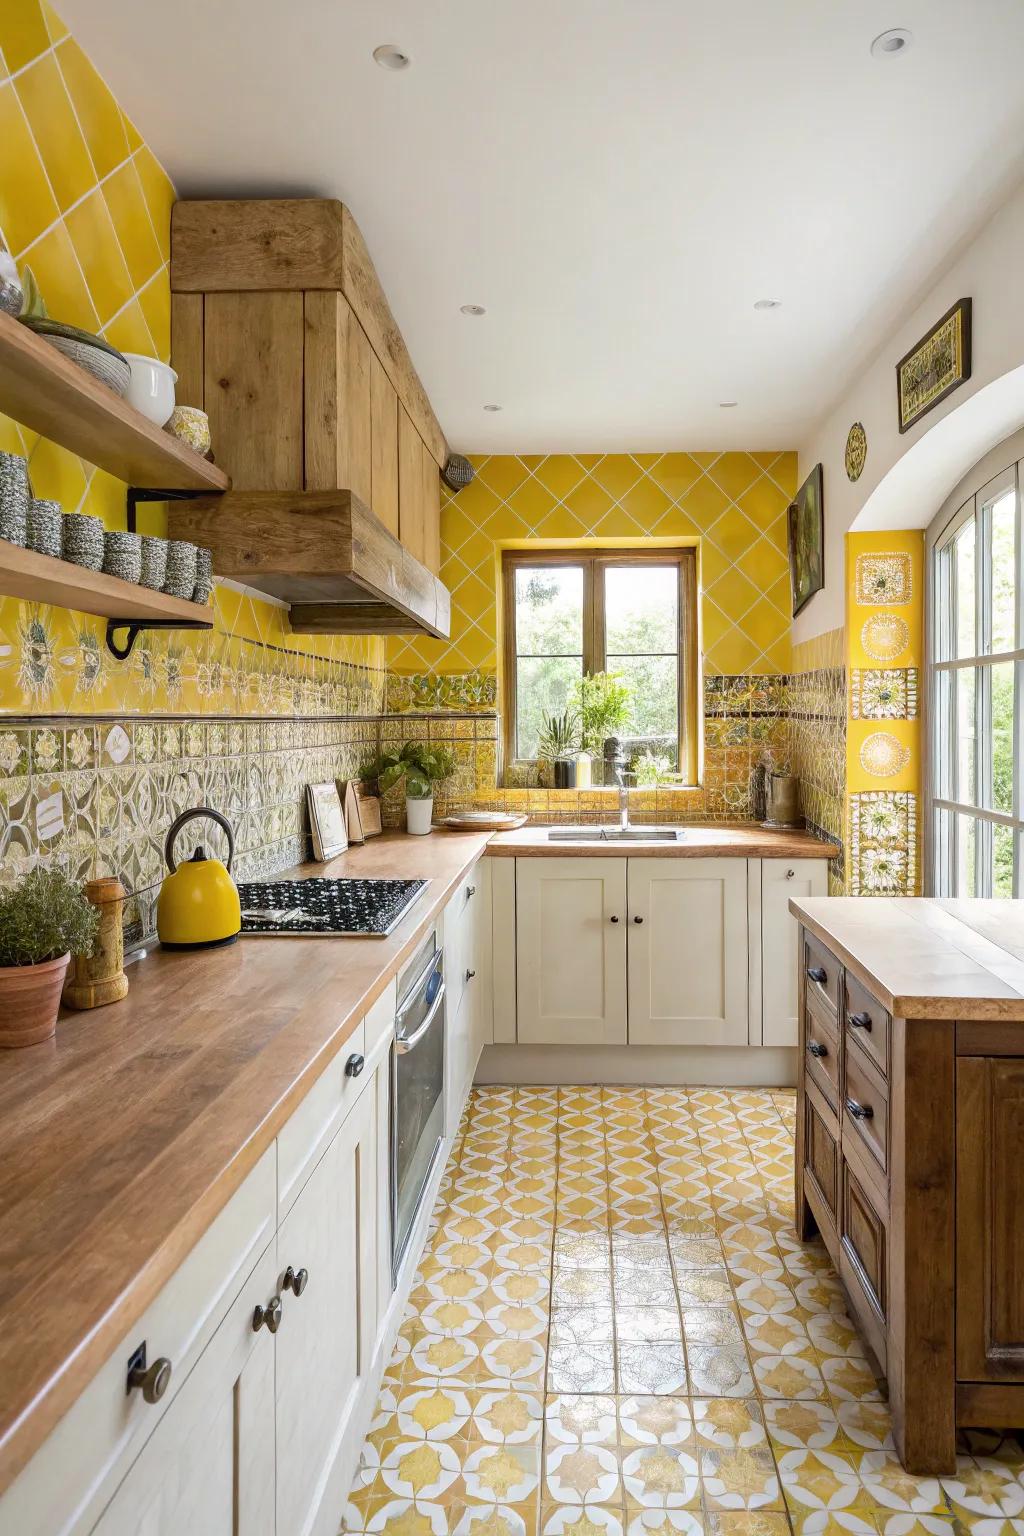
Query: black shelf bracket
x=135, y=627
x=138, y=493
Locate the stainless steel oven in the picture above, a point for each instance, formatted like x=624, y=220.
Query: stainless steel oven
x=417, y=1090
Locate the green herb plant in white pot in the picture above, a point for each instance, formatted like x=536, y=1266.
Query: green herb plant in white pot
x=419, y=767
x=44, y=920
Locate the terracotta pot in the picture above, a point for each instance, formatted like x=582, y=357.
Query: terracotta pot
x=29, y=1000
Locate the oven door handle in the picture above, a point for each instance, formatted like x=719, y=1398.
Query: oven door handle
x=410, y=1042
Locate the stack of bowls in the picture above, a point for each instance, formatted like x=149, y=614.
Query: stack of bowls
x=14, y=498
x=122, y=555
x=180, y=579
x=44, y=527
x=154, y=562
x=82, y=541
x=204, y=576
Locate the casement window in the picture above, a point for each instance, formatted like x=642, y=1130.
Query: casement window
x=975, y=692
x=632, y=612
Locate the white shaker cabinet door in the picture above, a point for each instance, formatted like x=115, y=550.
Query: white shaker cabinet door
x=325, y=1341
x=208, y=1468
x=687, y=951
x=571, y=951
x=781, y=879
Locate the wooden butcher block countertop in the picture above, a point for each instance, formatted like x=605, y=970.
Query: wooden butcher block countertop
x=927, y=958
x=741, y=840
x=121, y=1140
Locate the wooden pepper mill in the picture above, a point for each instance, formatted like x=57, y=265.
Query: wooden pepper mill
x=99, y=978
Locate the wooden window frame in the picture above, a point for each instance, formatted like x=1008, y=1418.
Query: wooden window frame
x=593, y=561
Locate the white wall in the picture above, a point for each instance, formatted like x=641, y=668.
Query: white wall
x=906, y=479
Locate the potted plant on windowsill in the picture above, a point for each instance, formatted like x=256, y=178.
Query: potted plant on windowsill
x=558, y=744
x=420, y=767
x=44, y=920
x=603, y=703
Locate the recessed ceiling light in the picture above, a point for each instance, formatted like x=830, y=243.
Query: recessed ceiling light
x=890, y=45
x=472, y=309
x=390, y=57
x=727, y=405
x=492, y=407
x=767, y=303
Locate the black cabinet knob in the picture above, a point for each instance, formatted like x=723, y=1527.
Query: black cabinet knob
x=470, y=975
x=817, y=1049
x=613, y=919
x=152, y=1383
x=269, y=1316
x=859, y=1020
x=818, y=973
x=860, y=1111
x=470, y=891
x=638, y=919
x=354, y=1065
x=295, y=1280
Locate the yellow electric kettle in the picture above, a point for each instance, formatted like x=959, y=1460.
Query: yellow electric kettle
x=198, y=904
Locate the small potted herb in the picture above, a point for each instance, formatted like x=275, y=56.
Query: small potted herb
x=419, y=767
x=558, y=744
x=44, y=920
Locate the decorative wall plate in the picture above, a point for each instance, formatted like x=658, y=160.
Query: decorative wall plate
x=883, y=755
x=885, y=636
x=856, y=451
x=884, y=580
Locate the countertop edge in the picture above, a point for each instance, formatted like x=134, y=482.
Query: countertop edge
x=737, y=840
x=26, y=1425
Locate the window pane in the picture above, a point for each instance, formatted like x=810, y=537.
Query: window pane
x=966, y=788
x=641, y=608
x=1004, y=586
x=963, y=579
x=1002, y=876
x=1002, y=737
x=966, y=844
x=653, y=681
x=942, y=853
x=542, y=688
x=549, y=610
x=944, y=736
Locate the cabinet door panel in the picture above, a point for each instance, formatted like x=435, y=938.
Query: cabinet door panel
x=989, y=1218
x=208, y=1469
x=411, y=488
x=570, y=955
x=253, y=344
x=687, y=951
x=431, y=511
x=325, y=1341
x=781, y=879
x=337, y=398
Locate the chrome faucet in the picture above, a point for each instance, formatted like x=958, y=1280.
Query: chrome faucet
x=623, y=804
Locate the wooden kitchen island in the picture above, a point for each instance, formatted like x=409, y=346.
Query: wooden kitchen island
x=910, y=1149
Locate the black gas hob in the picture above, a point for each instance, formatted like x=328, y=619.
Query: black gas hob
x=358, y=909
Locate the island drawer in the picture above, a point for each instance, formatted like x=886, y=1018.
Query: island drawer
x=821, y=1165
x=864, y=1259
x=822, y=1051
x=866, y=1109
x=823, y=973
x=868, y=1024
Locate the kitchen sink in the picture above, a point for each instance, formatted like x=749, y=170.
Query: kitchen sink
x=612, y=835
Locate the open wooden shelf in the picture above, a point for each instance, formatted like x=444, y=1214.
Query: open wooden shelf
x=24, y=573
x=43, y=390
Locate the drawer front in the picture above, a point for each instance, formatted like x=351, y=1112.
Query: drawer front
x=303, y=1139
x=822, y=1052
x=868, y=1024
x=866, y=1109
x=380, y=1018
x=69, y=1480
x=821, y=1153
x=864, y=1243
x=823, y=973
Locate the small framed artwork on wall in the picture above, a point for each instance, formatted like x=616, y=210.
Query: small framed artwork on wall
x=807, y=540
x=938, y=364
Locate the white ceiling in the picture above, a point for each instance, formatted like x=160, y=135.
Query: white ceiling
x=616, y=180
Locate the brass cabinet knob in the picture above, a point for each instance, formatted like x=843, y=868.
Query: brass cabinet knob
x=295, y=1280
x=268, y=1316
x=152, y=1383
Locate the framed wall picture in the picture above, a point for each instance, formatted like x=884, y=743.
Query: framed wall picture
x=326, y=821
x=807, y=540
x=938, y=364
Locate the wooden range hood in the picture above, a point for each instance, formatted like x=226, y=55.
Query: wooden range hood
x=325, y=554
x=281, y=331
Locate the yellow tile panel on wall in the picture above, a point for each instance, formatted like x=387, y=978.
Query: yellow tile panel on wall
x=97, y=111
x=27, y=204
x=55, y=129
x=23, y=32
x=99, y=255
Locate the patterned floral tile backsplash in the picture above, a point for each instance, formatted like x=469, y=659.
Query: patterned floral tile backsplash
x=817, y=726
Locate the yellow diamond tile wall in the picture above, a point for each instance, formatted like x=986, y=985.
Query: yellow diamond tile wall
x=731, y=506
x=97, y=756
